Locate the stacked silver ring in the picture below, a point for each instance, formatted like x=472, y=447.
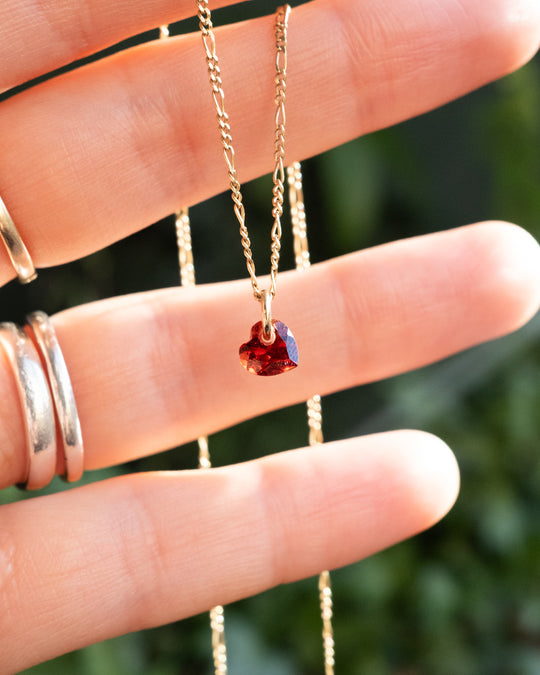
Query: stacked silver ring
x=47, y=400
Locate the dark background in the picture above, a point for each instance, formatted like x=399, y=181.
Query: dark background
x=463, y=598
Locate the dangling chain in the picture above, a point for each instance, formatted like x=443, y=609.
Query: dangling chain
x=301, y=255
x=214, y=73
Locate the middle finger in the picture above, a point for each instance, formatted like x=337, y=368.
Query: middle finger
x=154, y=370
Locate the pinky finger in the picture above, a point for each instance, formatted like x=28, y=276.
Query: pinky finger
x=140, y=551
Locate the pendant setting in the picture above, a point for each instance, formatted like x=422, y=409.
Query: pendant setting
x=272, y=348
x=260, y=358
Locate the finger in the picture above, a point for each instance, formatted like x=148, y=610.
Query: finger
x=144, y=550
x=152, y=371
x=37, y=42
x=99, y=153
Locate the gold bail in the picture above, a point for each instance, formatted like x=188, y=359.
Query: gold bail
x=268, y=333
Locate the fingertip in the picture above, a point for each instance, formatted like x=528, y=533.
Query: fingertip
x=506, y=30
x=376, y=491
x=517, y=26
x=432, y=475
x=509, y=285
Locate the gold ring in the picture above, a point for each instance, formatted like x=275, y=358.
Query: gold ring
x=17, y=251
x=36, y=404
x=62, y=393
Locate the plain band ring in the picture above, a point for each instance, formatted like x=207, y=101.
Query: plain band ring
x=36, y=404
x=62, y=393
x=17, y=251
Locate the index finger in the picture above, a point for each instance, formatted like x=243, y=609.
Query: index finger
x=95, y=155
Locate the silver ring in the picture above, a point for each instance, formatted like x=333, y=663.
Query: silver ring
x=36, y=404
x=62, y=392
x=17, y=251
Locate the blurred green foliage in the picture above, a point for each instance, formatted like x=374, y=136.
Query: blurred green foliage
x=463, y=598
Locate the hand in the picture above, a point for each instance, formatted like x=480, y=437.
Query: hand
x=94, y=155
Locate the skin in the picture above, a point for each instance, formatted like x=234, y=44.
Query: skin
x=92, y=156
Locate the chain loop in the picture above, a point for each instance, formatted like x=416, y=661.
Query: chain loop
x=278, y=176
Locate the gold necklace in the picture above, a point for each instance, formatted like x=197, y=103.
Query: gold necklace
x=272, y=348
x=302, y=260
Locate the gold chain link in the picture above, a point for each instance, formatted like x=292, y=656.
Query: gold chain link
x=185, y=253
x=315, y=420
x=218, y=96
x=219, y=648
x=298, y=216
x=327, y=612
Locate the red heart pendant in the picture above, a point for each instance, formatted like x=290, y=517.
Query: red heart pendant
x=274, y=359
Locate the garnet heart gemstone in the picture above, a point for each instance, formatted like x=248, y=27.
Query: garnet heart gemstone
x=274, y=359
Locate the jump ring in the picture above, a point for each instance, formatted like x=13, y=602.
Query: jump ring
x=17, y=251
x=62, y=393
x=268, y=333
x=36, y=404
